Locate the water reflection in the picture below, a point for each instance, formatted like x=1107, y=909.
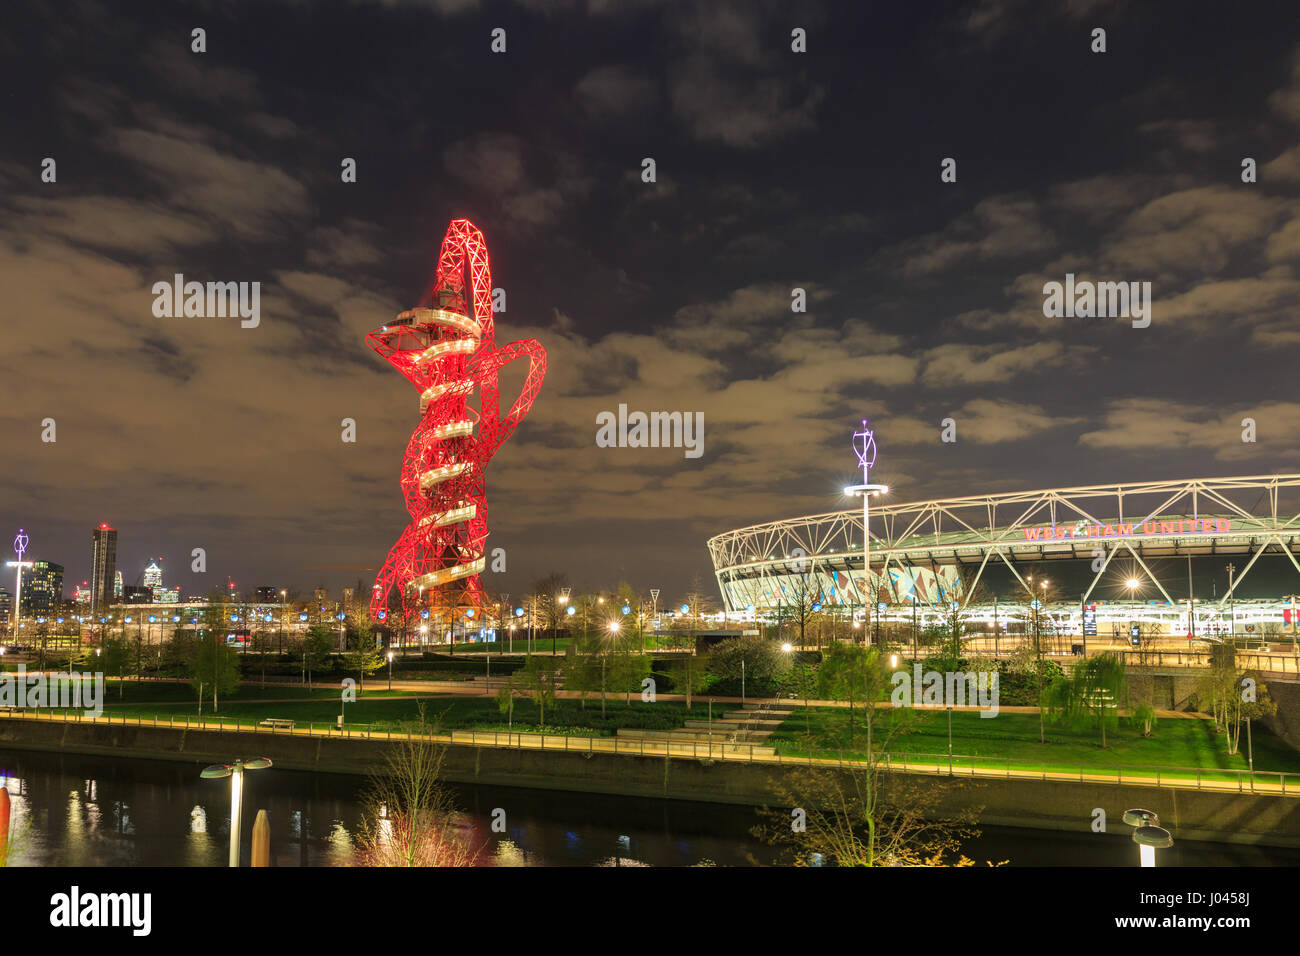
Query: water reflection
x=70, y=810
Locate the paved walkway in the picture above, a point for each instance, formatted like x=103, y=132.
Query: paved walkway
x=1277, y=784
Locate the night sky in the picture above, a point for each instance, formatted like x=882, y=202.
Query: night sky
x=775, y=170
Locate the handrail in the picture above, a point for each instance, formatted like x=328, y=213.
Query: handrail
x=1288, y=783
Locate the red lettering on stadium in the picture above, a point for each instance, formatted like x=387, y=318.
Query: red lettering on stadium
x=1129, y=530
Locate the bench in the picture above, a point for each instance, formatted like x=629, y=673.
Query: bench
x=277, y=723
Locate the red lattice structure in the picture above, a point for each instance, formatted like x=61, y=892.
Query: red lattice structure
x=447, y=349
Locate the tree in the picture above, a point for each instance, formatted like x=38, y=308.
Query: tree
x=317, y=647
x=690, y=674
x=860, y=815
x=506, y=701
x=540, y=677
x=853, y=672
x=802, y=681
x=800, y=599
x=1144, y=716
x=759, y=662
x=850, y=819
x=213, y=666
x=410, y=818
x=363, y=655
x=1090, y=693
x=626, y=670
x=1235, y=694
x=699, y=603
x=585, y=668
x=629, y=597
x=549, y=610
x=115, y=660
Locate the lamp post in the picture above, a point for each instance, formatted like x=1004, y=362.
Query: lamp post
x=390, y=670
x=235, y=771
x=1148, y=834
x=20, y=546
x=864, y=445
x=563, y=599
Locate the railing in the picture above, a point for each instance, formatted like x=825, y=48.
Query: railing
x=954, y=765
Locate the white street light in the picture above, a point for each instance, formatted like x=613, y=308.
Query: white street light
x=235, y=772
x=1148, y=834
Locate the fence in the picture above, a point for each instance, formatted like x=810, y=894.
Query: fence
x=1224, y=780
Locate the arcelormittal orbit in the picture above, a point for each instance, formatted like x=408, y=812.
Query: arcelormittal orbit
x=447, y=349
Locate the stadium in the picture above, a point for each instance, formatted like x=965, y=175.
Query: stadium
x=1190, y=559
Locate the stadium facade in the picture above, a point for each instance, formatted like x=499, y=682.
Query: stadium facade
x=1195, y=557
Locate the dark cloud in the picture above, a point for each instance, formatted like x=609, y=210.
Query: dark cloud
x=776, y=170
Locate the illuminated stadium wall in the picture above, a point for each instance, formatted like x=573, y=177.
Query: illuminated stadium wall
x=1121, y=551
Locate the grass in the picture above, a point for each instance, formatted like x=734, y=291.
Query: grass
x=1177, y=743
x=379, y=709
x=1182, y=743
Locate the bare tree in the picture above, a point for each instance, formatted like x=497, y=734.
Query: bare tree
x=409, y=817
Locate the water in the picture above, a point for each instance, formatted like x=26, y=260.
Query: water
x=72, y=810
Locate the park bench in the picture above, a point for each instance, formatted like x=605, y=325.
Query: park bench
x=278, y=723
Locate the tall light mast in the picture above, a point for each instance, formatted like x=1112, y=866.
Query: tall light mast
x=864, y=445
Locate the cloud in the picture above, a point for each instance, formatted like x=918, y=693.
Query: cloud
x=611, y=91
x=1153, y=426
x=998, y=227
x=743, y=111
x=952, y=364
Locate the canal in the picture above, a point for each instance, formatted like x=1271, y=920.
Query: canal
x=71, y=810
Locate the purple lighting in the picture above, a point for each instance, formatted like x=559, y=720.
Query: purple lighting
x=865, y=450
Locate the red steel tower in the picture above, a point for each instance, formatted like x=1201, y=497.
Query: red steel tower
x=447, y=349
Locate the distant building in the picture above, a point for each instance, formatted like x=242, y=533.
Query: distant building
x=42, y=591
x=153, y=577
x=81, y=593
x=136, y=595
x=117, y=587
x=103, y=568
x=6, y=605
x=266, y=595
x=166, y=595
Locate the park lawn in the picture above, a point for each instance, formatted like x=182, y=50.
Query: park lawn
x=1176, y=742
x=381, y=710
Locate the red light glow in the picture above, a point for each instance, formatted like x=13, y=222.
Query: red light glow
x=447, y=349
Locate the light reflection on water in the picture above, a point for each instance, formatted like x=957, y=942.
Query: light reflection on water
x=70, y=810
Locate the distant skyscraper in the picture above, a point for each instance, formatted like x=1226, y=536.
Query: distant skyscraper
x=103, y=568
x=42, y=589
x=153, y=577
x=117, y=586
x=81, y=593
x=6, y=604
x=132, y=594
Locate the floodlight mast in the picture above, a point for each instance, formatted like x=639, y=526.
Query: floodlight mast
x=864, y=445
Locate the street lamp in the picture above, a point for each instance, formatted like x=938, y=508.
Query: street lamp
x=390, y=670
x=1148, y=834
x=864, y=445
x=20, y=545
x=235, y=772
